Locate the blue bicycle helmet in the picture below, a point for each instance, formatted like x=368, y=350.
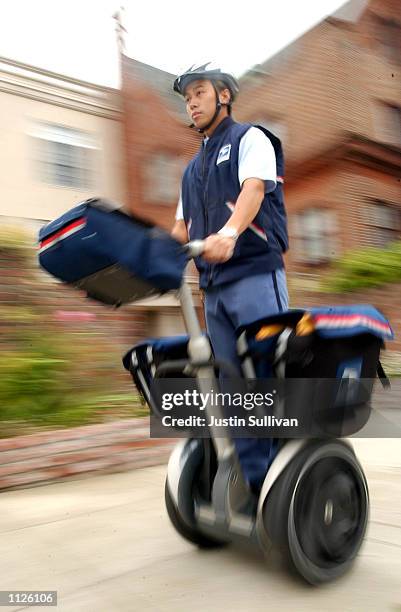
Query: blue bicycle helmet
x=208, y=72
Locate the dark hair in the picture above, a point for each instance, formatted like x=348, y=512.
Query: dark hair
x=221, y=86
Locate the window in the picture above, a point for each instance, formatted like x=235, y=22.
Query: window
x=388, y=36
x=385, y=223
x=162, y=178
x=64, y=156
x=314, y=234
x=387, y=119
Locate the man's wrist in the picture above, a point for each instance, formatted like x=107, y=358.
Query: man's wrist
x=229, y=232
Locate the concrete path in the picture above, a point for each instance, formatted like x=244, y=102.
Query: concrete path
x=105, y=543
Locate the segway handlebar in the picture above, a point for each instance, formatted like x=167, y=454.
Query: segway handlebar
x=194, y=248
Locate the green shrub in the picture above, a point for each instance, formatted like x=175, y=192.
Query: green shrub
x=52, y=373
x=34, y=379
x=41, y=384
x=364, y=268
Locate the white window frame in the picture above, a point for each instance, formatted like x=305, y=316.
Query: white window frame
x=78, y=170
x=379, y=228
x=318, y=248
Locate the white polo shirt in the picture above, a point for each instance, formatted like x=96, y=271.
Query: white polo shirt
x=256, y=159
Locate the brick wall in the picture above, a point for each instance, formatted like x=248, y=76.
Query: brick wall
x=109, y=447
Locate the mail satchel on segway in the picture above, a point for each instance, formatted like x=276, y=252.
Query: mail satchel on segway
x=314, y=500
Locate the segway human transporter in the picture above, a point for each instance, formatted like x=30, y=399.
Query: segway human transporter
x=314, y=500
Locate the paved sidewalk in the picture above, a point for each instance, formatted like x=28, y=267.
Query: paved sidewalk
x=106, y=544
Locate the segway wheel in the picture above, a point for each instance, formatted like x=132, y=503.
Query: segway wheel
x=188, y=532
x=317, y=511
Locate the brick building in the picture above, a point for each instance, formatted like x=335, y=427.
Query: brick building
x=157, y=140
x=333, y=96
x=158, y=144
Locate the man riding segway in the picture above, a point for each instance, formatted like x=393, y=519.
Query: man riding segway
x=231, y=196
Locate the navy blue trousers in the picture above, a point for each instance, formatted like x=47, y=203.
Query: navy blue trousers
x=226, y=308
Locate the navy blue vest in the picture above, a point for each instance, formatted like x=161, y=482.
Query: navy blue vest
x=210, y=188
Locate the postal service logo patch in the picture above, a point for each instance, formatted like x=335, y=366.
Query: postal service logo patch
x=224, y=154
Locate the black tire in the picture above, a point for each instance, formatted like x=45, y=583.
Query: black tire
x=317, y=511
x=189, y=533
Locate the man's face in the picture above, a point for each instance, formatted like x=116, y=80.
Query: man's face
x=200, y=98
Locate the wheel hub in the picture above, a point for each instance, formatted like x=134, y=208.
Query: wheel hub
x=329, y=511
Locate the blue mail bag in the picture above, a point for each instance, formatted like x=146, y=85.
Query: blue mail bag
x=332, y=353
x=143, y=359
x=116, y=258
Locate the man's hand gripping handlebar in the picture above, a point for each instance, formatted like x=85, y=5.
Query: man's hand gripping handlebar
x=215, y=248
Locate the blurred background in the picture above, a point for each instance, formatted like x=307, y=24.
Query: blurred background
x=87, y=109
